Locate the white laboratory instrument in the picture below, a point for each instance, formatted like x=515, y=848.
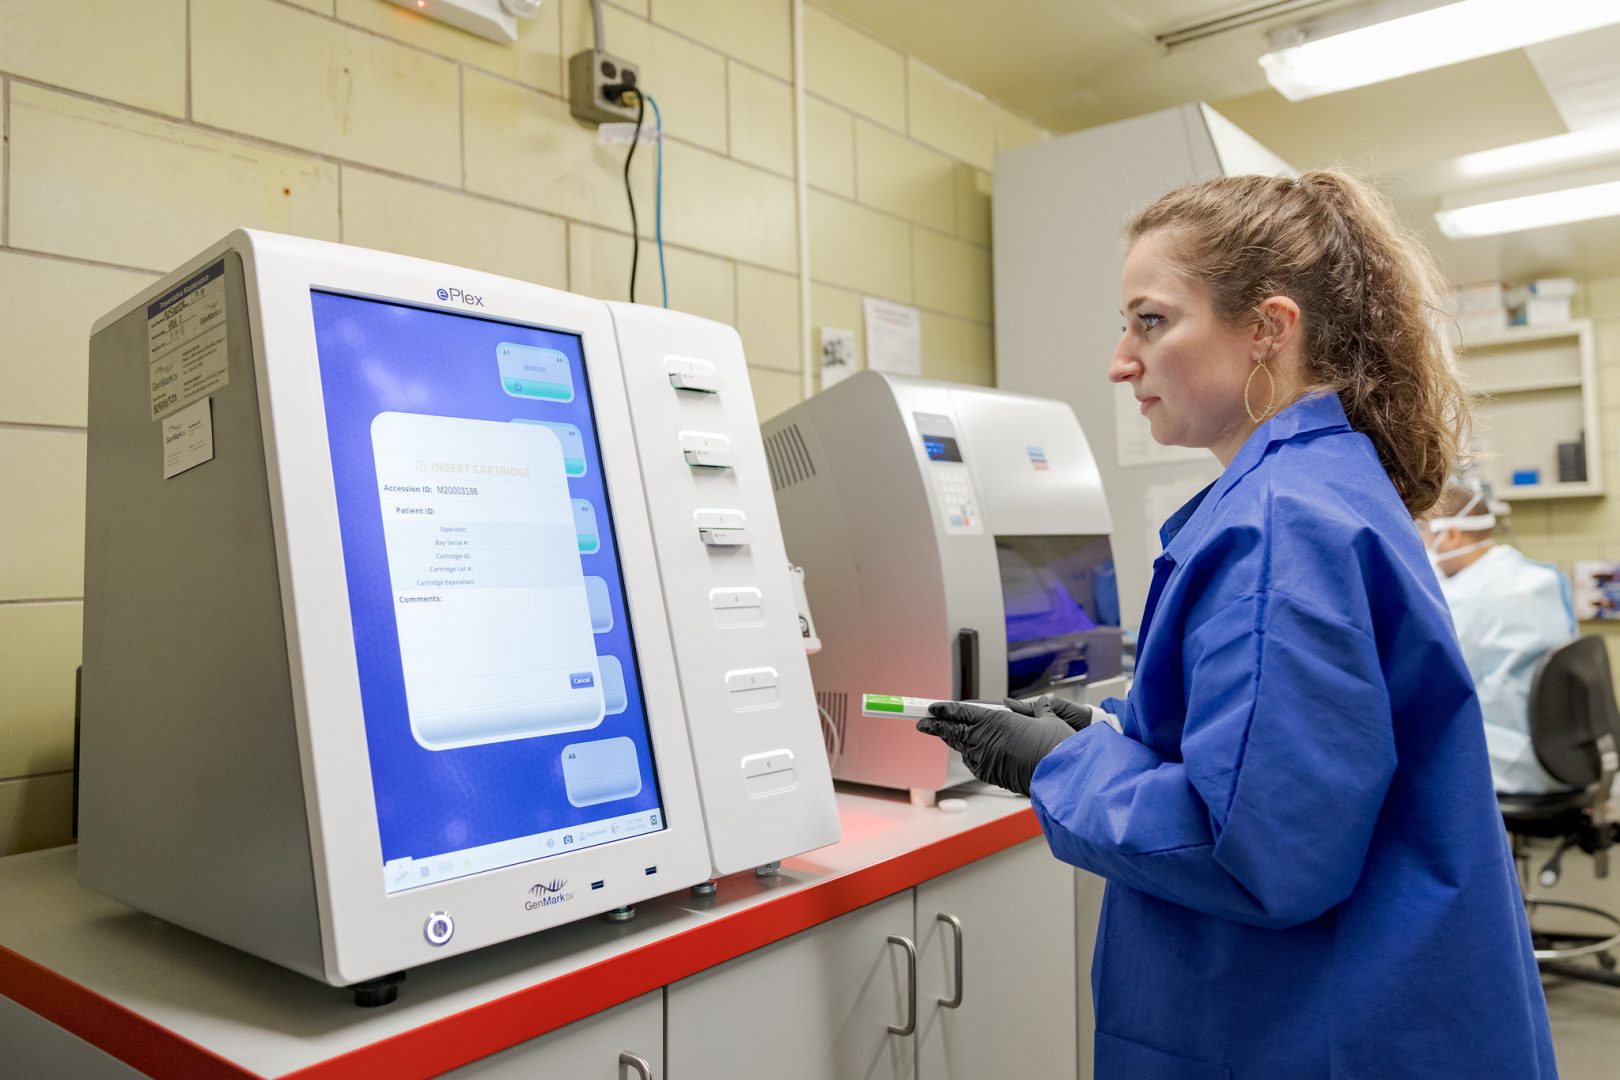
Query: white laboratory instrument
x=1059, y=210
x=807, y=622
x=956, y=545
x=426, y=608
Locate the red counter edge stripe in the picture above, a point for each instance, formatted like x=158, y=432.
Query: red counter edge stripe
x=496, y=1025
x=107, y=1025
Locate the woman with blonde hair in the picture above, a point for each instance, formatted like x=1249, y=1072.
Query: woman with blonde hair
x=1307, y=872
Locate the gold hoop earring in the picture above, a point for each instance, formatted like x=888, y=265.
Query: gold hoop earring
x=1271, y=396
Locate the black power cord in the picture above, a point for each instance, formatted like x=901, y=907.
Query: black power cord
x=629, y=193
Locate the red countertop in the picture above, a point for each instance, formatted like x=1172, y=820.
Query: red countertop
x=169, y=1002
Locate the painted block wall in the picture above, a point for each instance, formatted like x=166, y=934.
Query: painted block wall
x=136, y=134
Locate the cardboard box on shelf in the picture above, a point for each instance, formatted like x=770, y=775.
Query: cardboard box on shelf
x=1472, y=324
x=1478, y=309
x=1542, y=302
x=1480, y=296
x=1542, y=311
x=1546, y=287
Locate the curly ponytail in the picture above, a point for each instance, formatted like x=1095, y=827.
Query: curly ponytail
x=1369, y=293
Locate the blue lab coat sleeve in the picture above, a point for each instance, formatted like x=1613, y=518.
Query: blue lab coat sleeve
x=1287, y=751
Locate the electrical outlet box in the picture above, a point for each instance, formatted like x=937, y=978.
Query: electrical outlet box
x=590, y=73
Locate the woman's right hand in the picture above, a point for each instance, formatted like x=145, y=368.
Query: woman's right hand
x=996, y=747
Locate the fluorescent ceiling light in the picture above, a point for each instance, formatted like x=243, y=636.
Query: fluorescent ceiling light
x=1568, y=149
x=1324, y=62
x=1536, y=211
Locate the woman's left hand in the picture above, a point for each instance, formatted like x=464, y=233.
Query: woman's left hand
x=998, y=746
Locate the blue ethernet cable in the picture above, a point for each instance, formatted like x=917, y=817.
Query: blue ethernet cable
x=658, y=197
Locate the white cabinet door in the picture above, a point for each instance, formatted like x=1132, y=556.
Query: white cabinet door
x=816, y=1006
x=587, y=1049
x=1018, y=969
x=33, y=1048
x=1088, y=898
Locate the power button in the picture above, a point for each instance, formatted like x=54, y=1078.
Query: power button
x=439, y=928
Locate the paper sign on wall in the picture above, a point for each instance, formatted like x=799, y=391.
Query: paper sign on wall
x=837, y=355
x=893, y=337
x=1597, y=589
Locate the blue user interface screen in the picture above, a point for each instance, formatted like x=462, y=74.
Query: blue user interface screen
x=504, y=713
x=941, y=448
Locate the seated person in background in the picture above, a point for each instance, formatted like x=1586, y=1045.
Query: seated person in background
x=1508, y=611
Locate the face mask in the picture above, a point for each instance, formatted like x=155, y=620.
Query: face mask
x=1434, y=561
x=1437, y=557
x=1462, y=520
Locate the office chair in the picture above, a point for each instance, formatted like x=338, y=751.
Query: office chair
x=1575, y=732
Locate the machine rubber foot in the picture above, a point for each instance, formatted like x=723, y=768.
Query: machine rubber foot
x=377, y=992
x=770, y=869
x=705, y=888
x=919, y=797
x=621, y=914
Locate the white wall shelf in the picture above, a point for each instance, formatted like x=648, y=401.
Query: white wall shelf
x=1531, y=388
x=1531, y=492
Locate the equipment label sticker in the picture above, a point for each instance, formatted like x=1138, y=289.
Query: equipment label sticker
x=188, y=439
x=185, y=341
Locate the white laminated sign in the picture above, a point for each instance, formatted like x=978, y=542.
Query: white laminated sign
x=188, y=438
x=185, y=341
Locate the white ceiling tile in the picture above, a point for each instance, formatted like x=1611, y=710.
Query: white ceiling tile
x=1582, y=75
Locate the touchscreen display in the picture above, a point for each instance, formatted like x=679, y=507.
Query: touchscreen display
x=503, y=708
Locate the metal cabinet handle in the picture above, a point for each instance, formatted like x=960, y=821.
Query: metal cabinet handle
x=911, y=992
x=636, y=1062
x=955, y=1000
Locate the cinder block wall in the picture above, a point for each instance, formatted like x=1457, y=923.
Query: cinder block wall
x=137, y=133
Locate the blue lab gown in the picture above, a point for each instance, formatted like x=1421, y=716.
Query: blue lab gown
x=1307, y=872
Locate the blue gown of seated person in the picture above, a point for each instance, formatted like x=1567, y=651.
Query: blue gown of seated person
x=1307, y=872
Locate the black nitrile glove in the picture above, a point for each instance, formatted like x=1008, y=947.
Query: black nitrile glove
x=998, y=746
x=1076, y=716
